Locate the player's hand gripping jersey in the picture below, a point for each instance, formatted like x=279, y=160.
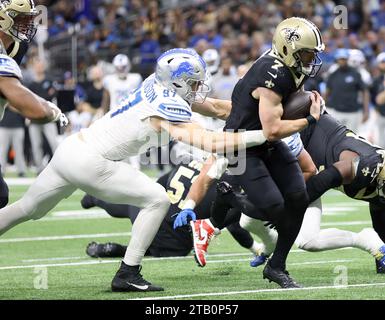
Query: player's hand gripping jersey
x=127, y=131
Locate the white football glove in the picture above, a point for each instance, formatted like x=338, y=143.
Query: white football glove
x=218, y=168
x=58, y=116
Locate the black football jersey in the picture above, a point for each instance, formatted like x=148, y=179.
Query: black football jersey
x=177, y=184
x=268, y=72
x=326, y=140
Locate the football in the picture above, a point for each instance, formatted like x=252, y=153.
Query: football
x=297, y=106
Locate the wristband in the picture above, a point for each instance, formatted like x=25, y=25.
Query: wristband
x=310, y=120
x=189, y=204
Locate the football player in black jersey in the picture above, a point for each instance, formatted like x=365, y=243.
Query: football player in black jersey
x=169, y=242
x=347, y=162
x=17, y=29
x=354, y=166
x=272, y=179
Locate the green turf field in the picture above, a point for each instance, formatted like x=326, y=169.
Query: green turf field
x=46, y=259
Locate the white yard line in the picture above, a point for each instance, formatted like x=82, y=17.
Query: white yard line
x=53, y=259
x=359, y=285
x=67, y=237
x=99, y=261
x=292, y=264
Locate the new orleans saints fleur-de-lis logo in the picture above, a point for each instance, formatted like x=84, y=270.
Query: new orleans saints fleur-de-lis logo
x=5, y=2
x=291, y=34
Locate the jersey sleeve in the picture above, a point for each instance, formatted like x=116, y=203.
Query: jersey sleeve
x=275, y=77
x=174, y=111
x=9, y=67
x=295, y=144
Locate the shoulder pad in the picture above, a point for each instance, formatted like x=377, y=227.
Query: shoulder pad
x=9, y=67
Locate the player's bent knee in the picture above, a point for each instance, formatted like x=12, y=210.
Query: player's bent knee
x=160, y=197
x=308, y=243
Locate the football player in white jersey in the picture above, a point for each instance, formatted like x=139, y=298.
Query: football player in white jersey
x=17, y=29
x=119, y=85
x=92, y=160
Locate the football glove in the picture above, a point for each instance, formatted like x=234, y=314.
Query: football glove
x=58, y=116
x=184, y=217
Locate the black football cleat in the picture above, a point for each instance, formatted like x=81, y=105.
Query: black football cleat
x=129, y=279
x=281, y=277
x=379, y=267
x=92, y=250
x=105, y=250
x=87, y=202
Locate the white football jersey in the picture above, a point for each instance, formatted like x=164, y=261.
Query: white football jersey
x=8, y=68
x=294, y=143
x=119, y=89
x=127, y=131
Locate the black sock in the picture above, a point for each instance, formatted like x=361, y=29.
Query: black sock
x=327, y=179
x=242, y=236
x=288, y=227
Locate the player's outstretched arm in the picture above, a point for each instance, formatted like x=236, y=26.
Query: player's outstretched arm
x=212, y=170
x=27, y=103
x=271, y=111
x=210, y=141
x=215, y=108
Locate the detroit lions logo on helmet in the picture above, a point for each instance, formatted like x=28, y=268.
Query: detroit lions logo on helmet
x=184, y=68
x=291, y=34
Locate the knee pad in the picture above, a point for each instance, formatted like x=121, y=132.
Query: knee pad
x=160, y=197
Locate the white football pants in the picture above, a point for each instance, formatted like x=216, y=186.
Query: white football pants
x=312, y=238
x=76, y=165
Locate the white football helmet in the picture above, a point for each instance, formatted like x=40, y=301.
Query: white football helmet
x=212, y=59
x=183, y=71
x=356, y=58
x=122, y=65
x=17, y=19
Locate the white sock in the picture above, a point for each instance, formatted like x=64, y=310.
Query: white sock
x=257, y=248
x=368, y=240
x=143, y=232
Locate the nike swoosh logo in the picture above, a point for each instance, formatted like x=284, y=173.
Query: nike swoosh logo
x=137, y=286
x=273, y=75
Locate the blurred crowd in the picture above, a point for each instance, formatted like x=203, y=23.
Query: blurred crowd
x=231, y=34
x=239, y=29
